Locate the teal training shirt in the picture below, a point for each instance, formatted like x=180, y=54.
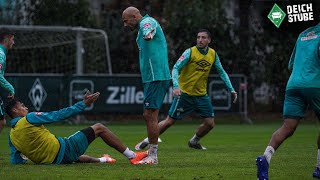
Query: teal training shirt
x=305, y=60
x=153, y=54
x=3, y=82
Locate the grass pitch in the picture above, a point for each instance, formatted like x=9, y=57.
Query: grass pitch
x=231, y=154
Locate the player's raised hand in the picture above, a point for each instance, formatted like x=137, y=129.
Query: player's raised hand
x=235, y=96
x=90, y=98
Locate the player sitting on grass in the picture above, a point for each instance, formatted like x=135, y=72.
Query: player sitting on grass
x=29, y=137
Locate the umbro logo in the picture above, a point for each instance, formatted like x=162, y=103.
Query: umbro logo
x=203, y=63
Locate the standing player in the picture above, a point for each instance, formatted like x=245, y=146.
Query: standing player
x=153, y=57
x=28, y=136
x=6, y=42
x=190, y=78
x=303, y=90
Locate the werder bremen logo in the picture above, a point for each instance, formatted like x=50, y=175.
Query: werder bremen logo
x=37, y=94
x=276, y=15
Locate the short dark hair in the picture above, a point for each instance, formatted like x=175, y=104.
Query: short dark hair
x=206, y=31
x=5, y=32
x=10, y=104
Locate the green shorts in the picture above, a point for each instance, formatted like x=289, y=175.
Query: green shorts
x=154, y=93
x=297, y=100
x=186, y=104
x=77, y=144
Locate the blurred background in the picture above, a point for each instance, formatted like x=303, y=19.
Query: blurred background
x=83, y=42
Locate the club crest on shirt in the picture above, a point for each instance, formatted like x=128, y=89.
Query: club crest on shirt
x=146, y=25
x=181, y=58
x=309, y=36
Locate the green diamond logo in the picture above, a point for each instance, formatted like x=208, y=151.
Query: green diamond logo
x=276, y=15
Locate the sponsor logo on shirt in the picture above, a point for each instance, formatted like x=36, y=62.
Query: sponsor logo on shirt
x=146, y=25
x=203, y=63
x=38, y=113
x=181, y=58
x=309, y=36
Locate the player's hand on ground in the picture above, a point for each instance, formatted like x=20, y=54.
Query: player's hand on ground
x=90, y=98
x=235, y=96
x=176, y=92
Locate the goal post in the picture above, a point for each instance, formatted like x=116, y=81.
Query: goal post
x=59, y=50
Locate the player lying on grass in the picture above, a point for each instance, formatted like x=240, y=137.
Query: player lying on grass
x=29, y=137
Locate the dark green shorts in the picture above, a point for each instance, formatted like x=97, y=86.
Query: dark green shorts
x=297, y=100
x=186, y=104
x=154, y=93
x=77, y=144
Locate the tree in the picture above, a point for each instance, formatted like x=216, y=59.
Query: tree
x=58, y=12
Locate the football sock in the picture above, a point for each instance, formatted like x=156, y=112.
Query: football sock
x=194, y=139
x=103, y=159
x=153, y=150
x=129, y=154
x=318, y=159
x=268, y=153
x=146, y=140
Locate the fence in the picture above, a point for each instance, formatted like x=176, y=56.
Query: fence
x=59, y=50
x=119, y=93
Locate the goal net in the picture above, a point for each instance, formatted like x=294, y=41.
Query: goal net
x=58, y=50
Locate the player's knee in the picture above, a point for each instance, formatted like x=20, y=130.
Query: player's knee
x=98, y=127
x=209, y=123
x=170, y=121
x=289, y=128
x=147, y=115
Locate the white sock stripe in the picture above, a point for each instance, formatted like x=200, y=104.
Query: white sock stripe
x=103, y=159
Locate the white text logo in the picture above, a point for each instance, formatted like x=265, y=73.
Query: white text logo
x=300, y=12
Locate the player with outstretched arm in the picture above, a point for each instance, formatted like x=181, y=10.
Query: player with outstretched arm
x=28, y=136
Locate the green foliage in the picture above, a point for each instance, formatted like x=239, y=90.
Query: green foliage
x=185, y=18
x=48, y=12
x=258, y=50
x=231, y=154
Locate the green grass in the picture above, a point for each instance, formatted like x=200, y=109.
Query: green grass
x=231, y=154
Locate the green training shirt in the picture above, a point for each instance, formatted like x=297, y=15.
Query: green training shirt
x=3, y=82
x=305, y=60
x=153, y=54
